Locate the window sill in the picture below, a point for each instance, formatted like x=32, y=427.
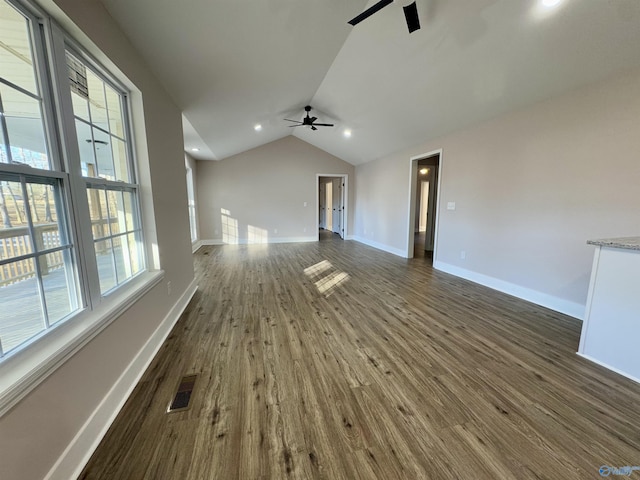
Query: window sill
x=22, y=371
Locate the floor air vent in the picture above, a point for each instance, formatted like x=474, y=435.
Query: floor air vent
x=183, y=394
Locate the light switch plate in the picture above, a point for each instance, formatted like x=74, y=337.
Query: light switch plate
x=451, y=205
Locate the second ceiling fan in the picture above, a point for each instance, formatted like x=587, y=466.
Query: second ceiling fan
x=410, y=14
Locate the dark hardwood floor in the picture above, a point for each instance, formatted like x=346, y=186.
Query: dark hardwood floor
x=333, y=360
x=419, y=248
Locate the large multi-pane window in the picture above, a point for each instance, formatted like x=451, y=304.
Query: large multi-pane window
x=55, y=193
x=100, y=124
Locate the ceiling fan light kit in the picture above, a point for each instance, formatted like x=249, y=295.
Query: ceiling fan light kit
x=410, y=14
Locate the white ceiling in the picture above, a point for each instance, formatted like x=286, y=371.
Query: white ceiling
x=231, y=64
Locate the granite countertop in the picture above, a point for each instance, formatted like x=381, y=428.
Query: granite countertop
x=629, y=243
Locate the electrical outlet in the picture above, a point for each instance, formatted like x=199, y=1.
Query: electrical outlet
x=305, y=204
x=169, y=288
x=304, y=230
x=275, y=230
x=463, y=254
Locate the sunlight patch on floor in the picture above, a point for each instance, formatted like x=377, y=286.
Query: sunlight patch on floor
x=328, y=283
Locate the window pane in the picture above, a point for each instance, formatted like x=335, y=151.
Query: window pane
x=48, y=230
x=135, y=253
x=116, y=212
x=77, y=74
x=80, y=105
x=85, y=146
x=58, y=282
x=120, y=160
x=21, y=315
x=98, y=212
x=102, y=143
x=14, y=231
x=106, y=270
x=121, y=252
x=16, y=57
x=43, y=203
x=97, y=101
x=26, y=129
x=129, y=214
x=114, y=109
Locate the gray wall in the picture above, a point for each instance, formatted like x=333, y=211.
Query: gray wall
x=530, y=188
x=36, y=432
x=264, y=190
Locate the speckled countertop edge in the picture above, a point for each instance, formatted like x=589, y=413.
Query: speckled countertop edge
x=629, y=243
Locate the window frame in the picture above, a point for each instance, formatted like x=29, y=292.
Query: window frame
x=26, y=365
x=95, y=296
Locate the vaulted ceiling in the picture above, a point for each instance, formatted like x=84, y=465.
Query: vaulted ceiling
x=232, y=64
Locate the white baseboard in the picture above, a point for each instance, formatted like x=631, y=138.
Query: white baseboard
x=293, y=239
x=566, y=307
x=211, y=242
x=245, y=241
x=79, y=451
x=195, y=246
x=609, y=367
x=379, y=246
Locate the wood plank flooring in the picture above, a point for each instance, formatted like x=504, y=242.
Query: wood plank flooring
x=333, y=360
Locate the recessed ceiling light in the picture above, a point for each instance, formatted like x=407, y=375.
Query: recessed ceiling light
x=347, y=133
x=195, y=149
x=258, y=127
x=424, y=171
x=551, y=3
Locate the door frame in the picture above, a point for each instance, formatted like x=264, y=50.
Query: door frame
x=345, y=200
x=413, y=180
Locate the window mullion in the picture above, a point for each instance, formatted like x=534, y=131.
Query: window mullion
x=88, y=268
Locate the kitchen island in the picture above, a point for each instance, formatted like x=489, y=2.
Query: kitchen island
x=611, y=329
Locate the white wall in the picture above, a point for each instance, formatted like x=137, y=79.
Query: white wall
x=265, y=189
x=36, y=433
x=530, y=188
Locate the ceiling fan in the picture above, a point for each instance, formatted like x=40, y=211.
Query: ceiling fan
x=309, y=121
x=410, y=14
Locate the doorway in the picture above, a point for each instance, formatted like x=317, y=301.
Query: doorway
x=423, y=207
x=332, y=205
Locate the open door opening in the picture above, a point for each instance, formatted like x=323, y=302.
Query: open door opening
x=332, y=210
x=424, y=199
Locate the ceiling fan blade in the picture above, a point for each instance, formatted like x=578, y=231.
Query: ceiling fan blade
x=411, y=15
x=291, y=126
x=323, y=124
x=313, y=128
x=296, y=121
x=370, y=11
x=313, y=119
